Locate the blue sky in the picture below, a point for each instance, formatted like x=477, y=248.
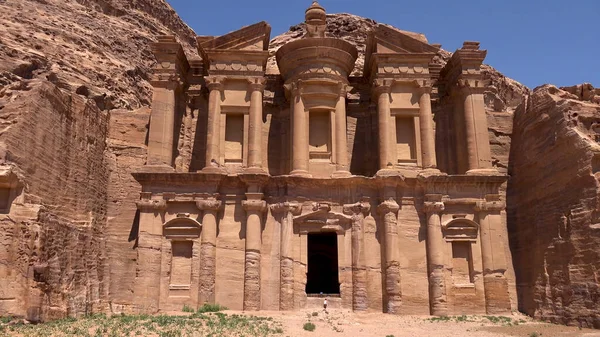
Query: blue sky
x=531, y=41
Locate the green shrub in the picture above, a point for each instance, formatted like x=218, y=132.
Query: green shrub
x=315, y=314
x=534, y=334
x=308, y=326
x=207, y=307
x=187, y=308
x=389, y=336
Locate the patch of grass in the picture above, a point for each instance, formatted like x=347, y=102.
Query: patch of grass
x=499, y=319
x=389, y=336
x=5, y=319
x=308, y=326
x=534, y=334
x=203, y=324
x=207, y=307
x=439, y=319
x=187, y=308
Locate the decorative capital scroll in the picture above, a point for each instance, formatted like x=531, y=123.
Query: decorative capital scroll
x=388, y=206
x=433, y=207
x=423, y=86
x=256, y=83
x=254, y=205
x=284, y=207
x=210, y=204
x=362, y=207
x=294, y=88
x=214, y=82
x=381, y=86
x=469, y=85
x=149, y=205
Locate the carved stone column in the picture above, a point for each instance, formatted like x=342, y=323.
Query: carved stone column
x=475, y=121
x=149, y=254
x=213, y=128
x=299, y=133
x=341, y=139
x=255, y=207
x=358, y=212
x=435, y=255
x=426, y=127
x=286, y=211
x=382, y=92
x=168, y=80
x=208, y=248
x=493, y=237
x=257, y=86
x=388, y=210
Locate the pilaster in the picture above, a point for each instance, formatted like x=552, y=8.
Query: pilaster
x=388, y=210
x=168, y=81
x=426, y=125
x=213, y=128
x=255, y=153
x=358, y=212
x=341, y=137
x=435, y=255
x=254, y=207
x=497, y=298
x=210, y=205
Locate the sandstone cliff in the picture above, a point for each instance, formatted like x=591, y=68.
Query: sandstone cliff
x=554, y=204
x=65, y=66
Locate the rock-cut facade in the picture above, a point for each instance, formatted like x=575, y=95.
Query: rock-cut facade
x=309, y=181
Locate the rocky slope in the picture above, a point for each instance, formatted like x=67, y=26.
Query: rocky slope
x=554, y=204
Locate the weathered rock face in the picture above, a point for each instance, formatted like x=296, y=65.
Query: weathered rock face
x=52, y=248
x=61, y=79
x=553, y=204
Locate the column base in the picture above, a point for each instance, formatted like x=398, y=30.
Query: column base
x=388, y=172
x=483, y=172
x=213, y=169
x=341, y=174
x=301, y=173
x=255, y=170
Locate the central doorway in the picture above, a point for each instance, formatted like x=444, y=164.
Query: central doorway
x=322, y=276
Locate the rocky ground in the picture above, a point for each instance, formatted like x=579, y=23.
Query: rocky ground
x=302, y=323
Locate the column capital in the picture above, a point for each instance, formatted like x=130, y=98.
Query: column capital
x=150, y=206
x=284, y=207
x=361, y=207
x=294, y=88
x=214, y=82
x=254, y=205
x=388, y=206
x=209, y=204
x=256, y=83
x=490, y=206
x=382, y=86
x=431, y=207
x=344, y=89
x=470, y=85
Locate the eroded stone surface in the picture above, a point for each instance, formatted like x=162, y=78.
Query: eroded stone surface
x=553, y=205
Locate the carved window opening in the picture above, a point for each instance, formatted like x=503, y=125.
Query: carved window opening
x=319, y=137
x=406, y=140
x=322, y=275
x=461, y=233
x=181, y=265
x=182, y=232
x=234, y=139
x=462, y=263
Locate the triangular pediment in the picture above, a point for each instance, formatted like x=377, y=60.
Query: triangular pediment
x=255, y=37
x=387, y=41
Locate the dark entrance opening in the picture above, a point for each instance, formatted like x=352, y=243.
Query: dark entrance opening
x=322, y=254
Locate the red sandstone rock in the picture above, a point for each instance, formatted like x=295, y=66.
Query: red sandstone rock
x=553, y=205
